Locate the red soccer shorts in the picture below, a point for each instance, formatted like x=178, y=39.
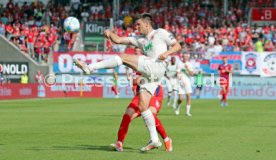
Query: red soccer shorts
x=156, y=102
x=224, y=84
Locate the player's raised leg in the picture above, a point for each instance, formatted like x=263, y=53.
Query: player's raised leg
x=128, y=60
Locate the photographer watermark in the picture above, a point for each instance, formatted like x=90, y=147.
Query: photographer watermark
x=49, y=80
x=123, y=81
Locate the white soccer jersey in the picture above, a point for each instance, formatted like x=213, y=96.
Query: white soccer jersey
x=182, y=70
x=171, y=71
x=154, y=44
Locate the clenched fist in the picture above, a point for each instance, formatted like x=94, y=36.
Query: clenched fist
x=107, y=33
x=163, y=56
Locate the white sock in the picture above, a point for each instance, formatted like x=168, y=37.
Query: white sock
x=175, y=98
x=188, y=108
x=178, y=107
x=107, y=63
x=150, y=122
x=169, y=98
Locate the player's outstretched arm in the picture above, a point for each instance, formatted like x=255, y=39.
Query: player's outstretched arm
x=175, y=47
x=128, y=74
x=115, y=38
x=230, y=70
x=189, y=70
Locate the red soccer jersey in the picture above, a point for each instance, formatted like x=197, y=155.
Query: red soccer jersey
x=222, y=71
x=51, y=39
x=30, y=37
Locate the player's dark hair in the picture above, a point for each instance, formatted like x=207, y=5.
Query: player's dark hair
x=144, y=16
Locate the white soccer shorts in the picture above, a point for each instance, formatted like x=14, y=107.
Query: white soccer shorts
x=185, y=87
x=172, y=84
x=152, y=72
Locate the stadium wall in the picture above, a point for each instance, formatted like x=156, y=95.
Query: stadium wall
x=95, y=86
x=10, y=53
x=34, y=90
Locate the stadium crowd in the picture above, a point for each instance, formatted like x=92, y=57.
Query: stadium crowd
x=35, y=28
x=30, y=28
x=200, y=26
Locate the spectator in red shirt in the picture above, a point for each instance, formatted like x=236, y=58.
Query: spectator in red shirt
x=30, y=43
x=16, y=32
x=9, y=31
x=46, y=50
x=38, y=48
x=269, y=46
x=22, y=45
x=52, y=39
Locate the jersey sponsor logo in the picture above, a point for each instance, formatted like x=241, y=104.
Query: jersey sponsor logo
x=148, y=47
x=250, y=62
x=183, y=70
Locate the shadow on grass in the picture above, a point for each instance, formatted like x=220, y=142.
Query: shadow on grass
x=82, y=147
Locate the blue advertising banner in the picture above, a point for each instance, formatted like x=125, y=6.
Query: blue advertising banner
x=234, y=58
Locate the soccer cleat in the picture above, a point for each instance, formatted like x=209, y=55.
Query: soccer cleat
x=168, y=145
x=189, y=114
x=174, y=106
x=177, y=111
x=118, y=146
x=151, y=145
x=82, y=65
x=225, y=104
x=221, y=104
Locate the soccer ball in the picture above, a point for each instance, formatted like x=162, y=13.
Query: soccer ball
x=71, y=24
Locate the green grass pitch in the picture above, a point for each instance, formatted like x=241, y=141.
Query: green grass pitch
x=82, y=129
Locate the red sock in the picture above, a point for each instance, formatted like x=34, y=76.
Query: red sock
x=114, y=89
x=224, y=97
x=159, y=127
x=221, y=93
x=124, y=128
